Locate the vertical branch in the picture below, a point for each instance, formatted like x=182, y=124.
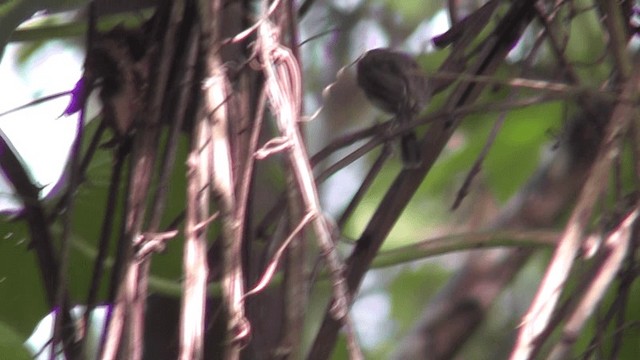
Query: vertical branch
x=195, y=262
x=130, y=278
x=215, y=98
x=223, y=190
x=294, y=289
x=282, y=75
x=283, y=84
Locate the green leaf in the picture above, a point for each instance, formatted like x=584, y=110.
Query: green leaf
x=516, y=152
x=22, y=302
x=12, y=14
x=411, y=290
x=414, y=11
x=11, y=346
x=15, y=12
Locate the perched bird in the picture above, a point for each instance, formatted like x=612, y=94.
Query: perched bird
x=394, y=82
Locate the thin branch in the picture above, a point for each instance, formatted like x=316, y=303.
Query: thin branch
x=194, y=258
x=477, y=165
x=36, y=102
x=221, y=178
x=105, y=235
x=465, y=242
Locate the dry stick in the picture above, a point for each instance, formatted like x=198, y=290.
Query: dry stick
x=275, y=260
x=620, y=333
x=191, y=342
x=216, y=95
x=223, y=190
x=282, y=76
x=596, y=269
x=195, y=265
x=466, y=26
x=616, y=26
x=294, y=293
x=615, y=247
x=194, y=262
x=255, y=27
x=477, y=165
x=538, y=202
x=539, y=313
x=295, y=289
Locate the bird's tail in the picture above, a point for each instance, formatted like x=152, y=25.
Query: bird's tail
x=410, y=150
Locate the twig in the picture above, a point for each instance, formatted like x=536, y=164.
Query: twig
x=36, y=102
x=477, y=165
x=105, y=235
x=221, y=177
x=275, y=260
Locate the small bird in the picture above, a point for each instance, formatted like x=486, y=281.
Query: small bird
x=394, y=82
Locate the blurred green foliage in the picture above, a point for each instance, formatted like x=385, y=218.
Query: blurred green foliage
x=513, y=157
